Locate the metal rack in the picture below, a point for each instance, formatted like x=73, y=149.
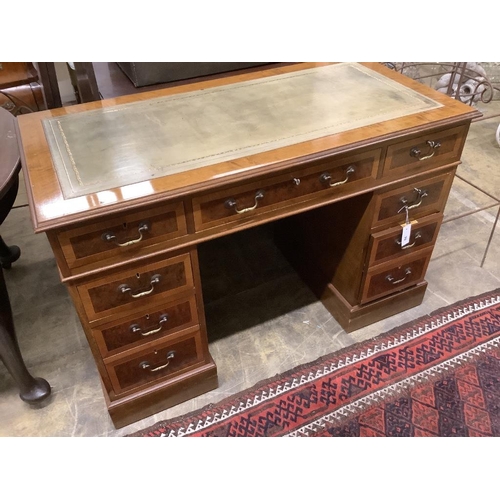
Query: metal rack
x=469, y=83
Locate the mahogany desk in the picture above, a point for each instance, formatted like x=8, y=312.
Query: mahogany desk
x=340, y=156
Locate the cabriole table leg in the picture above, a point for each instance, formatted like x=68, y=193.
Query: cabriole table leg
x=32, y=390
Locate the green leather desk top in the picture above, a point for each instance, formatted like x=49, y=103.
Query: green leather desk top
x=130, y=143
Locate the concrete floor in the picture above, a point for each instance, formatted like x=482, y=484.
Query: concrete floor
x=270, y=325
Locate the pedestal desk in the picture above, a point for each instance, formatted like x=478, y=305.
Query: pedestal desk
x=342, y=157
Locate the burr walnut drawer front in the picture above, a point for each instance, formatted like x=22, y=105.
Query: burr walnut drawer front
x=122, y=235
x=424, y=151
x=323, y=178
x=394, y=276
x=165, y=360
x=136, y=330
x=118, y=293
x=420, y=198
x=386, y=245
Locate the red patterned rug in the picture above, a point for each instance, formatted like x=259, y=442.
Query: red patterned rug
x=437, y=376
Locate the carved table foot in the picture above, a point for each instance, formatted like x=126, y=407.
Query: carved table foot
x=38, y=391
x=8, y=255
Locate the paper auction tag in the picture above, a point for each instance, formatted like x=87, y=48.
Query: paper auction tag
x=405, y=236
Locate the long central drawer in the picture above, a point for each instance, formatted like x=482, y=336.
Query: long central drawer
x=325, y=178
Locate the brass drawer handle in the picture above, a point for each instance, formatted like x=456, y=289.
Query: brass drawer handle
x=154, y=280
x=137, y=329
x=231, y=203
x=110, y=236
x=433, y=147
x=326, y=177
x=421, y=194
x=418, y=235
x=395, y=282
x=145, y=365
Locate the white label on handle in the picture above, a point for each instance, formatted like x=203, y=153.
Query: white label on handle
x=405, y=237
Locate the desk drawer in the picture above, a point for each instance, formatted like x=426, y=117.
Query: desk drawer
x=423, y=197
x=121, y=235
x=166, y=360
x=426, y=150
x=325, y=178
x=146, y=285
x=394, y=276
x=386, y=245
x=139, y=329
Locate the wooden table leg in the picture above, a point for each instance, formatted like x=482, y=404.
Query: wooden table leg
x=8, y=254
x=32, y=390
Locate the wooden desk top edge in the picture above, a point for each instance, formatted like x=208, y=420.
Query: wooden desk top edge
x=50, y=210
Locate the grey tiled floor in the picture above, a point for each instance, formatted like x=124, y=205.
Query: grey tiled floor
x=271, y=324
